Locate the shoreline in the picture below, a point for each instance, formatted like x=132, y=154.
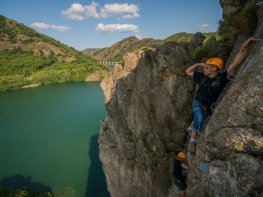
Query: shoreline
x=30, y=86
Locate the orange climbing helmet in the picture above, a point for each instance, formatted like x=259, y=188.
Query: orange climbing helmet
x=215, y=61
x=181, y=155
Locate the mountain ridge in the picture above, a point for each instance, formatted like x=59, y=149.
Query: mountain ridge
x=116, y=51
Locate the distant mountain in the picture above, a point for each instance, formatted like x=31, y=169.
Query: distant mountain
x=186, y=37
x=91, y=51
x=30, y=58
x=116, y=51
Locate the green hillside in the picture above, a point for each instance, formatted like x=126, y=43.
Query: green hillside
x=30, y=58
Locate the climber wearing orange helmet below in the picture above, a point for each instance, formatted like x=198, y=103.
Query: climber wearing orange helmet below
x=210, y=85
x=178, y=175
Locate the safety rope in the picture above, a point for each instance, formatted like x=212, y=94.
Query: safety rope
x=257, y=39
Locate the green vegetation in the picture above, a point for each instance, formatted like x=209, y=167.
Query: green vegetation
x=145, y=48
x=209, y=49
x=20, y=68
x=29, y=58
x=9, y=192
x=22, y=63
x=186, y=37
x=239, y=22
x=5, y=30
x=118, y=58
x=179, y=37
x=242, y=21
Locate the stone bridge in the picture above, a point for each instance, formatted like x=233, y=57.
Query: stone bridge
x=109, y=64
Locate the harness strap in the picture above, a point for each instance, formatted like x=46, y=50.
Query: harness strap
x=203, y=83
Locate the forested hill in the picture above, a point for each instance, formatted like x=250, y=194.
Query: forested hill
x=30, y=58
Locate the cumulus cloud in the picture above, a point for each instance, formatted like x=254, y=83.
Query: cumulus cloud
x=203, y=27
x=124, y=28
x=38, y=25
x=75, y=12
x=93, y=10
x=123, y=10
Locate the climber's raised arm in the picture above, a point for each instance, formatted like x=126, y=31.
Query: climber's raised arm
x=239, y=57
x=190, y=71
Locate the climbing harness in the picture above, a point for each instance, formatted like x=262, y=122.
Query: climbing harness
x=212, y=107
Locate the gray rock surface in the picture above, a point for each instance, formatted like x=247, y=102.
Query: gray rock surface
x=148, y=100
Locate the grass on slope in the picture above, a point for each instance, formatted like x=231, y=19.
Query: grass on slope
x=18, y=68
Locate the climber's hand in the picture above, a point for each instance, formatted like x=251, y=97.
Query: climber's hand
x=203, y=65
x=247, y=42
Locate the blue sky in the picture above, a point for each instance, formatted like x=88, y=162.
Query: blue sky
x=100, y=23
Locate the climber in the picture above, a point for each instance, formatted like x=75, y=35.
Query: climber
x=210, y=85
x=178, y=175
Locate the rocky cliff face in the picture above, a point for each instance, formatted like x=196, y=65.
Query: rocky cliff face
x=231, y=145
x=148, y=104
x=148, y=100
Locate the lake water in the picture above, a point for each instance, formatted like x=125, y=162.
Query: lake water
x=48, y=139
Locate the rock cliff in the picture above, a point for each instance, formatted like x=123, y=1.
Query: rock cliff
x=148, y=100
x=148, y=104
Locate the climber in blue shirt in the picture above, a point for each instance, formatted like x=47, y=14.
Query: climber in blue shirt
x=210, y=85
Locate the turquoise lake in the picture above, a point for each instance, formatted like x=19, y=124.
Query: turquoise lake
x=48, y=139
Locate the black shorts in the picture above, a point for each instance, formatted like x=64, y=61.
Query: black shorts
x=180, y=184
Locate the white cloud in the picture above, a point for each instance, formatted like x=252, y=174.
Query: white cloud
x=123, y=10
x=131, y=16
x=75, y=12
x=117, y=28
x=93, y=10
x=138, y=36
x=38, y=25
x=203, y=27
